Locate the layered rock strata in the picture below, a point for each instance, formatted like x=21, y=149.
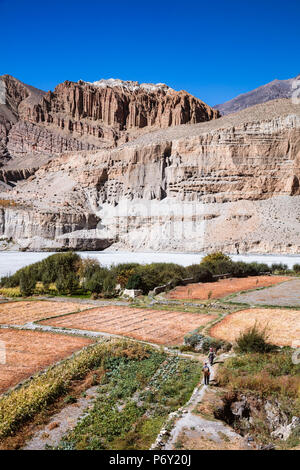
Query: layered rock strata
x=229, y=184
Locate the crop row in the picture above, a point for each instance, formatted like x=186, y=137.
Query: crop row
x=133, y=402
x=25, y=402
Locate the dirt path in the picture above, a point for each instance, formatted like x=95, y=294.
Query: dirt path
x=191, y=431
x=62, y=422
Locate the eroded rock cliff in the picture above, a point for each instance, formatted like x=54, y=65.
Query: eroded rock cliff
x=38, y=126
x=231, y=183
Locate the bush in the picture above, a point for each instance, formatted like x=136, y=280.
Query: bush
x=27, y=285
x=254, y=340
x=46, y=271
x=67, y=284
x=109, y=286
x=279, y=268
x=10, y=291
x=158, y=274
x=87, y=267
x=94, y=283
x=240, y=269
x=134, y=282
x=296, y=268
x=217, y=263
x=199, y=273
x=215, y=257
x=202, y=343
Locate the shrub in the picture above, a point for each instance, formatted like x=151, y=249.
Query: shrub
x=202, y=343
x=279, y=267
x=94, y=284
x=67, y=284
x=10, y=291
x=218, y=263
x=124, y=276
x=240, y=269
x=296, y=268
x=134, y=282
x=109, y=286
x=199, y=273
x=268, y=374
x=254, y=340
x=27, y=285
x=46, y=271
x=87, y=267
x=215, y=257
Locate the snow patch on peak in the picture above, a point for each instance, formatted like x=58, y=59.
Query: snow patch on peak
x=129, y=85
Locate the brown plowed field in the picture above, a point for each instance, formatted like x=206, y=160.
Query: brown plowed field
x=223, y=287
x=27, y=352
x=283, y=326
x=162, y=327
x=18, y=313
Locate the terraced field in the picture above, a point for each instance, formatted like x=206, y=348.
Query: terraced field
x=28, y=352
x=286, y=294
x=283, y=325
x=19, y=313
x=223, y=287
x=161, y=327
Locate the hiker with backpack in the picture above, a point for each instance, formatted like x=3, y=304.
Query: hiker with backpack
x=206, y=373
x=211, y=356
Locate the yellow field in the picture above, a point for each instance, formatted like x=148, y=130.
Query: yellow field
x=283, y=326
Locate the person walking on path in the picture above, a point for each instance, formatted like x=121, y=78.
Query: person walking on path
x=206, y=373
x=211, y=356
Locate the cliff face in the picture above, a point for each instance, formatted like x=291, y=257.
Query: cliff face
x=226, y=184
x=38, y=126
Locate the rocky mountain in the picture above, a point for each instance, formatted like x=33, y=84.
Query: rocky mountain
x=230, y=183
x=271, y=91
x=36, y=126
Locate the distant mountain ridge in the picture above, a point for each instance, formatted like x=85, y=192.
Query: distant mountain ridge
x=276, y=89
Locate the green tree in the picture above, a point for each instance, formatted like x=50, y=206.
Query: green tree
x=109, y=286
x=254, y=340
x=134, y=282
x=67, y=284
x=95, y=283
x=217, y=256
x=27, y=284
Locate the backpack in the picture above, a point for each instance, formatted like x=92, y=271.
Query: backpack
x=206, y=370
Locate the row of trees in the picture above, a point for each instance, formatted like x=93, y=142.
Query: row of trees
x=71, y=274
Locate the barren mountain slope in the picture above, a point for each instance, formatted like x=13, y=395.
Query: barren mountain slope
x=277, y=89
x=226, y=184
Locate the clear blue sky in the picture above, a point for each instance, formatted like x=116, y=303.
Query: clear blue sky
x=213, y=49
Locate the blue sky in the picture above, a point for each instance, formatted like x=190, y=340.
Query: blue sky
x=213, y=49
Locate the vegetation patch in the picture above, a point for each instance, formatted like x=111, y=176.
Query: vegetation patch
x=133, y=401
x=72, y=275
x=266, y=390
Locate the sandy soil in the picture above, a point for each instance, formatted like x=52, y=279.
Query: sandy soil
x=27, y=352
x=162, y=327
x=287, y=294
x=283, y=326
x=18, y=313
x=223, y=287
